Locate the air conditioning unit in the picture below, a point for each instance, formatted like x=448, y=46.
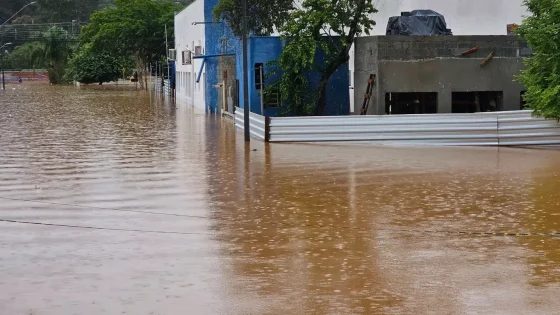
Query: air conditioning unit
x=172, y=55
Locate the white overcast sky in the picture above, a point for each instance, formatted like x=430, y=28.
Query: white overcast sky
x=464, y=17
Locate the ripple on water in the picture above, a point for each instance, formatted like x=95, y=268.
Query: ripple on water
x=286, y=229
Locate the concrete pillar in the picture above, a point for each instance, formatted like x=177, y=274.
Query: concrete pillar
x=511, y=99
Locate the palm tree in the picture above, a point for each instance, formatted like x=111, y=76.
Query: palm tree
x=56, y=50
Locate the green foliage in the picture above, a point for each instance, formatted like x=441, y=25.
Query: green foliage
x=308, y=30
x=132, y=27
x=56, y=50
x=9, y=7
x=89, y=66
x=262, y=15
x=55, y=11
x=26, y=56
x=542, y=76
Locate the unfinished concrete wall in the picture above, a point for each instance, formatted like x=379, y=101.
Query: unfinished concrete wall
x=227, y=68
x=366, y=63
x=435, y=64
x=428, y=47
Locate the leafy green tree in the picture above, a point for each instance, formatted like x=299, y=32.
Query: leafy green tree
x=311, y=29
x=9, y=7
x=54, y=11
x=56, y=50
x=132, y=28
x=89, y=66
x=26, y=56
x=542, y=76
x=263, y=16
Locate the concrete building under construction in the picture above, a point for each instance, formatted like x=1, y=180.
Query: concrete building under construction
x=439, y=74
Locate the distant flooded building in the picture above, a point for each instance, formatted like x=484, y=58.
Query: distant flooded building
x=209, y=72
x=209, y=76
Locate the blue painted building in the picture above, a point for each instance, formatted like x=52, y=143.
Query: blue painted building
x=216, y=63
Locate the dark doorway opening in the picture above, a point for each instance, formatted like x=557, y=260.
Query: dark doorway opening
x=411, y=103
x=474, y=102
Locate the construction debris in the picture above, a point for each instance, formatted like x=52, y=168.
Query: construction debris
x=485, y=61
x=470, y=51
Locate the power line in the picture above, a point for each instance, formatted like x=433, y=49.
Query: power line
x=100, y=228
x=283, y=224
x=106, y=209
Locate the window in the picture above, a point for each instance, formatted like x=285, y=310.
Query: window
x=476, y=101
x=197, y=50
x=187, y=57
x=272, y=99
x=411, y=103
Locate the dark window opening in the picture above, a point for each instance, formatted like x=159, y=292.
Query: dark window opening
x=259, y=76
x=272, y=98
x=411, y=103
x=474, y=102
x=523, y=101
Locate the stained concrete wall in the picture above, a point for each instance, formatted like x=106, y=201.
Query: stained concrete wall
x=435, y=64
x=227, y=67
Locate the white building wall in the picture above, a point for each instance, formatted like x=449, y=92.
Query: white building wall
x=187, y=36
x=472, y=17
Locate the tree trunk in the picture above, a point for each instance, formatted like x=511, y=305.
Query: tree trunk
x=324, y=81
x=140, y=71
x=342, y=58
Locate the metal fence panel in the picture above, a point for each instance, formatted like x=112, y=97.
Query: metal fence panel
x=519, y=128
x=443, y=129
x=257, y=124
x=512, y=128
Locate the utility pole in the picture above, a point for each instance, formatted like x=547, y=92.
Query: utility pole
x=167, y=54
x=2, y=64
x=245, y=77
x=261, y=76
x=2, y=67
x=2, y=47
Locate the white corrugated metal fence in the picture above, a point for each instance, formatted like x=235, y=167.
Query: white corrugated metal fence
x=512, y=128
x=257, y=124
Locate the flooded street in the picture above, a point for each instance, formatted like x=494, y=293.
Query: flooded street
x=112, y=202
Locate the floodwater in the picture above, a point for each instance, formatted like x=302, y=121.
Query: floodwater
x=114, y=202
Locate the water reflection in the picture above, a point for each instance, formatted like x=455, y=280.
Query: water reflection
x=279, y=229
x=340, y=230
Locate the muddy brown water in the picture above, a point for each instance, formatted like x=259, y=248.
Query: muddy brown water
x=148, y=209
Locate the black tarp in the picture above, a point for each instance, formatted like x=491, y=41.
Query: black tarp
x=420, y=22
